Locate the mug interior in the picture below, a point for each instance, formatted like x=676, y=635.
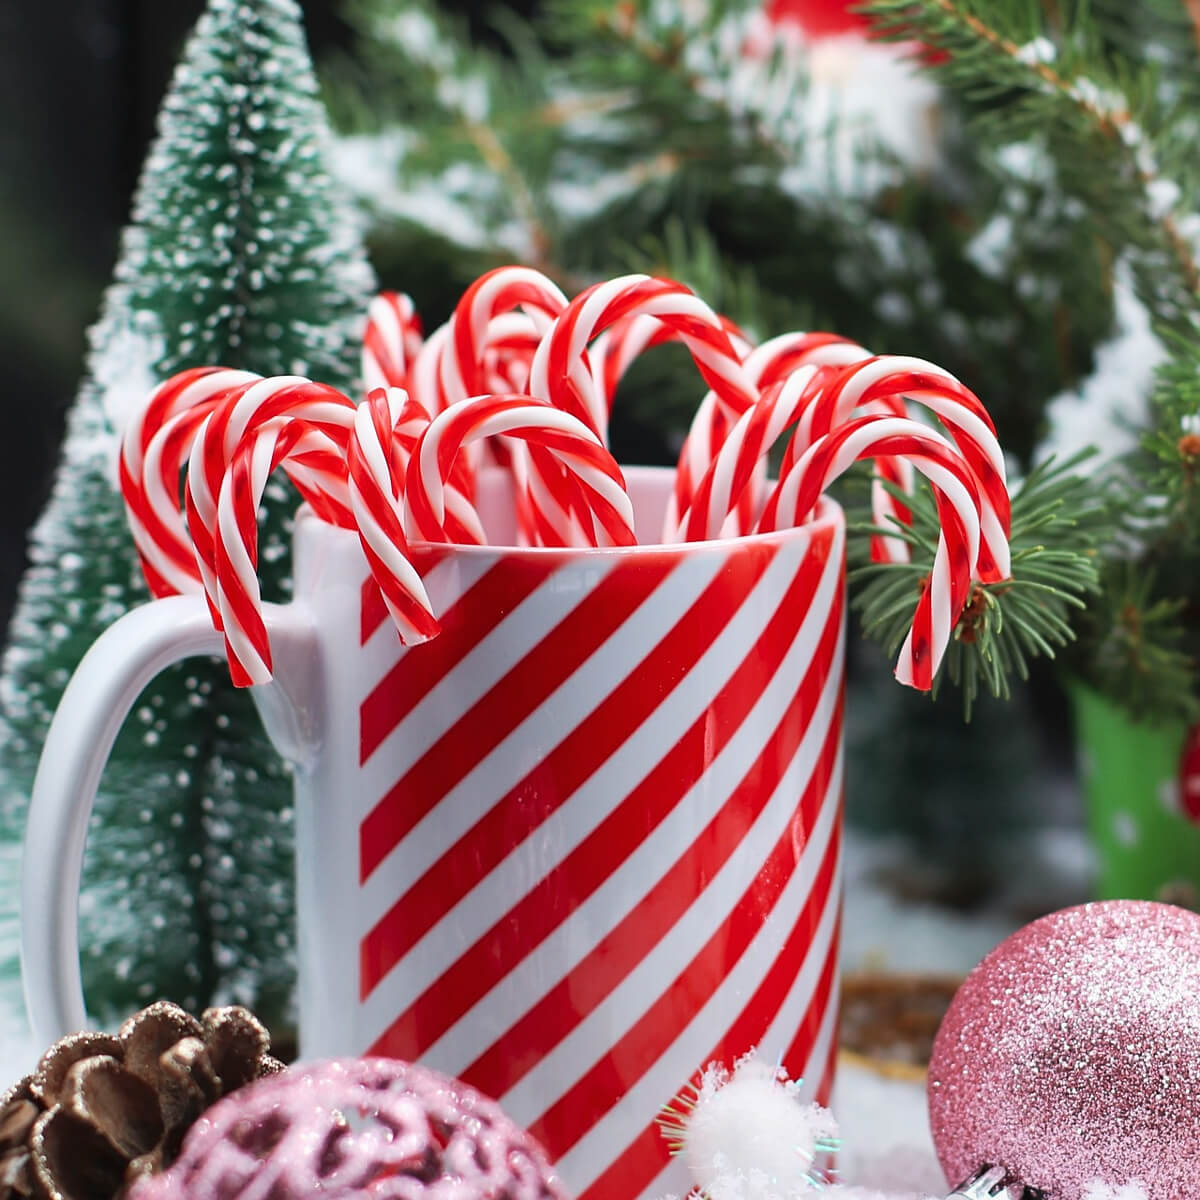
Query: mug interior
x=649, y=488
x=325, y=552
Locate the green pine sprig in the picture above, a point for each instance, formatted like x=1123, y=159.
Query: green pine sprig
x=1138, y=646
x=1121, y=141
x=1055, y=517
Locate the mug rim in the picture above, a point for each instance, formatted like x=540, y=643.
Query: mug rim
x=827, y=515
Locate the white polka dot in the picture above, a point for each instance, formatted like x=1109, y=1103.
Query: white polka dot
x=1126, y=829
x=1168, y=794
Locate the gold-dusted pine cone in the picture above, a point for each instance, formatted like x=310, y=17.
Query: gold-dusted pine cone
x=102, y=1110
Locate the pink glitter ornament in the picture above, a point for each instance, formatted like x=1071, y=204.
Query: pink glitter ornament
x=1071, y=1055
x=357, y=1128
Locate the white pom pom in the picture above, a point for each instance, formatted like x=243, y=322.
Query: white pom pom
x=749, y=1136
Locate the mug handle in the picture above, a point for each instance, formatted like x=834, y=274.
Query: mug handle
x=105, y=686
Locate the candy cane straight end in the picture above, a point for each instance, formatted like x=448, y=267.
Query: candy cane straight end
x=242, y=676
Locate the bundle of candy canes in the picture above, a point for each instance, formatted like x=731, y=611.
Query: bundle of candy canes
x=524, y=379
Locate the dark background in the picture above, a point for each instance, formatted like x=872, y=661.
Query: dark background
x=80, y=83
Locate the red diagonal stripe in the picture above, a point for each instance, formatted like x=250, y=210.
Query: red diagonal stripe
x=636, y=1166
x=592, y=862
x=527, y=805
x=600, y=1088
x=464, y=625
x=372, y=612
x=493, y=717
x=825, y=1089
x=610, y=961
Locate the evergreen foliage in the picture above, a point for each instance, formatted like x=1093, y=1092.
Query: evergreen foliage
x=686, y=139
x=240, y=252
x=1109, y=91
x=609, y=128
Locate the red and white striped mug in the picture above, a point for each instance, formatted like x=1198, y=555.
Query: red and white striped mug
x=582, y=843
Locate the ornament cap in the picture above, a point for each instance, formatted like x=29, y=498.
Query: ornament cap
x=994, y=1183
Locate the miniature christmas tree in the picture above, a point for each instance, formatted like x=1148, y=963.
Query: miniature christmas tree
x=242, y=253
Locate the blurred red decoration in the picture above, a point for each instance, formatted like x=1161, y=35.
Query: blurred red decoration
x=819, y=18
x=1189, y=776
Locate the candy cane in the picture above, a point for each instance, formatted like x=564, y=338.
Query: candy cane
x=560, y=371
x=615, y=349
x=423, y=385
x=238, y=594
x=386, y=429
x=884, y=380
x=496, y=293
x=777, y=358
x=151, y=491
x=589, y=485
x=321, y=480
x=512, y=340
x=770, y=364
x=391, y=342
x=956, y=490
x=741, y=454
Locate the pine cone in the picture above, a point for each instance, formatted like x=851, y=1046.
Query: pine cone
x=102, y=1110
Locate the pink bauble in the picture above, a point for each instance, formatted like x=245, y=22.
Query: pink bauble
x=1072, y=1054
x=356, y=1129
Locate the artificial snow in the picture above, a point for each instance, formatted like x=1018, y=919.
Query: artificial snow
x=850, y=115
x=458, y=203
x=1110, y=408
x=1040, y=50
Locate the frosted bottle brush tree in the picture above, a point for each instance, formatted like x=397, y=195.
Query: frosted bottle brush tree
x=240, y=252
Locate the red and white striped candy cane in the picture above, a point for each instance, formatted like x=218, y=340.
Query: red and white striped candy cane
x=588, y=484
x=423, y=385
x=956, y=490
x=742, y=454
x=784, y=354
x=238, y=595
x=387, y=428
x=383, y=458
x=494, y=331
x=562, y=374
x=149, y=473
x=512, y=340
x=503, y=291
x=886, y=380
x=616, y=348
x=319, y=473
x=391, y=342
x=561, y=371
x=769, y=364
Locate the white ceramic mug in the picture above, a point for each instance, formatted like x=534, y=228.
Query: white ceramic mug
x=577, y=846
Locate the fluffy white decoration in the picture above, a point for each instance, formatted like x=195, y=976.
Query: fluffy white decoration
x=1103, y=1191
x=829, y=104
x=750, y=1137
